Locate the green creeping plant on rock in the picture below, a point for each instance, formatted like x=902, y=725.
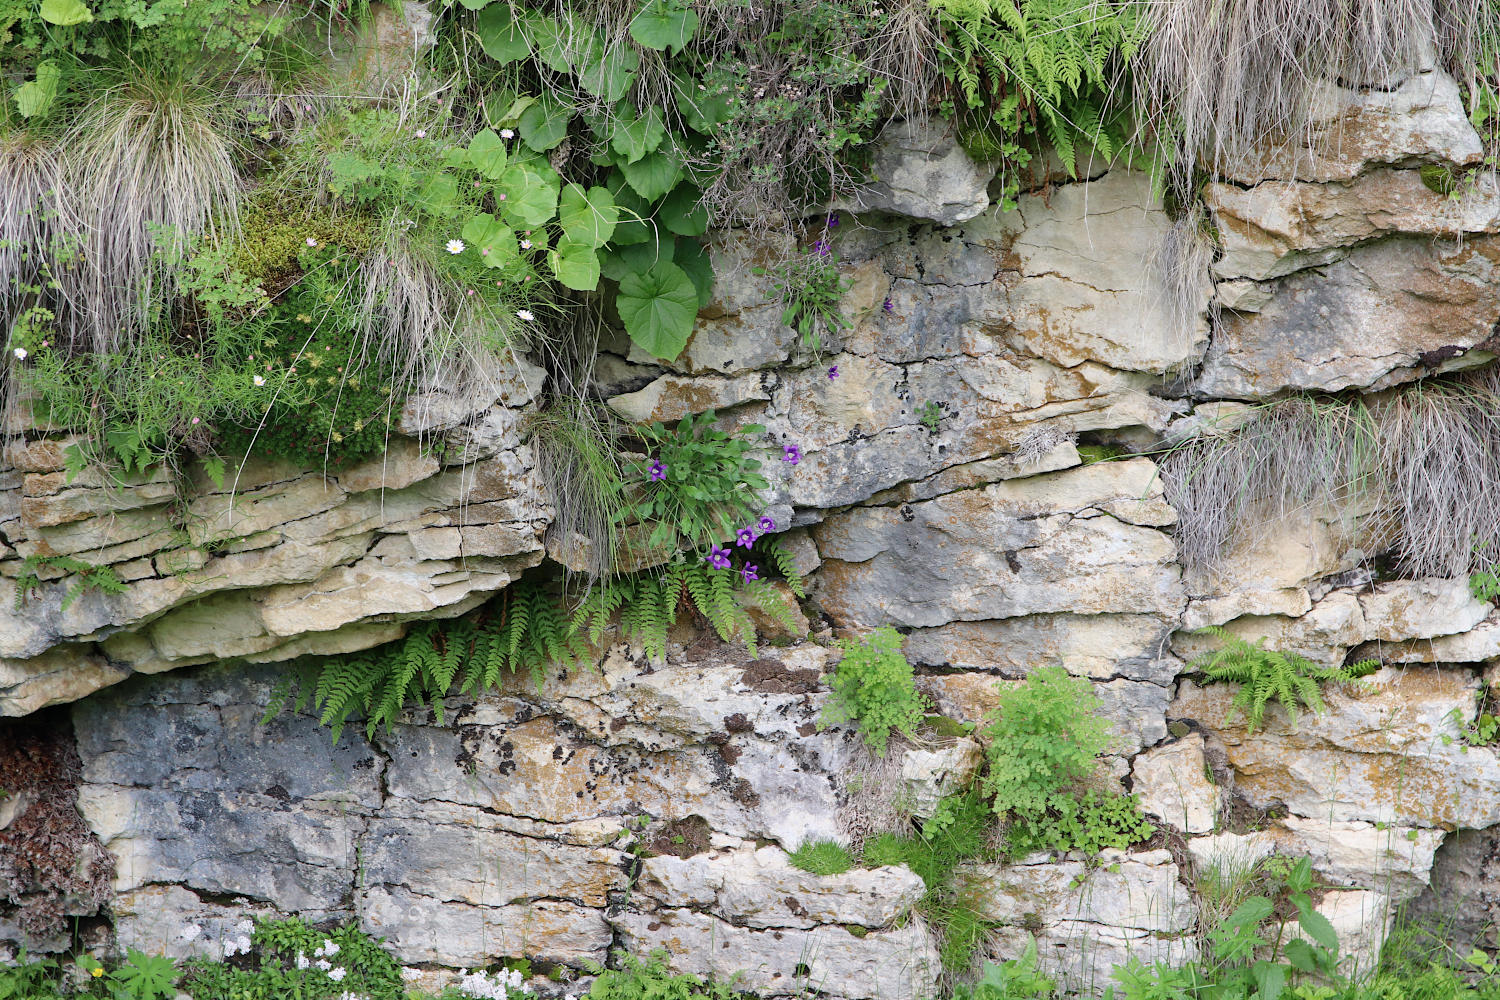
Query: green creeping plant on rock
x=872, y=687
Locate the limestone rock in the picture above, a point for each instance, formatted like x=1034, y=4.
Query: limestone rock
x=1086, y=920
x=761, y=889
x=1423, y=117
x=1279, y=227
x=418, y=928
x=1174, y=785
x=1390, y=754
x=1380, y=316
x=922, y=172
x=900, y=964
x=1000, y=552
x=929, y=775
x=1075, y=297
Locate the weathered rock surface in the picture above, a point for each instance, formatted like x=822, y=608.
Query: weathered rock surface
x=1175, y=785
x=922, y=172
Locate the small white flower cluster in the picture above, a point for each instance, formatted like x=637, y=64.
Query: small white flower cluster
x=496, y=986
x=409, y=974
x=236, y=946
x=349, y=995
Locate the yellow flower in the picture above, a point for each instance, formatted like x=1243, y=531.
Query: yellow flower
x=314, y=360
x=337, y=437
x=98, y=971
x=359, y=425
x=304, y=318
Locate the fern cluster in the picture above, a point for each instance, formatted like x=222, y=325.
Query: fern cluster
x=1037, y=67
x=85, y=577
x=525, y=628
x=648, y=603
x=528, y=628
x=1293, y=680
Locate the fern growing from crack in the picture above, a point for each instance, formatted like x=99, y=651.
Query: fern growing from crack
x=1292, y=680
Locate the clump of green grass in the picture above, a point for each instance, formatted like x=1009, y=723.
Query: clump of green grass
x=822, y=857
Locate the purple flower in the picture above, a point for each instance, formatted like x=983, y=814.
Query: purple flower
x=766, y=524
x=887, y=305
x=791, y=453
x=745, y=537
x=833, y=220
x=821, y=248
x=748, y=572
x=833, y=372
x=658, y=471
x=719, y=558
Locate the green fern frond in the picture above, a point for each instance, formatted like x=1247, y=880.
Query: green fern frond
x=1290, y=679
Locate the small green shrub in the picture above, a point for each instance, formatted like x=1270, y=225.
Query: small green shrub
x=648, y=979
x=810, y=288
x=872, y=687
x=697, y=482
x=525, y=628
x=822, y=857
x=1043, y=738
x=29, y=979
x=288, y=958
x=1293, y=680
x=958, y=831
x=1012, y=979
x=1088, y=824
x=85, y=577
x=1030, y=69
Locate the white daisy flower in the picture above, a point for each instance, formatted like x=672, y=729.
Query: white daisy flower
x=525, y=314
x=454, y=246
x=311, y=242
x=506, y=133
x=525, y=244
x=259, y=380
x=20, y=354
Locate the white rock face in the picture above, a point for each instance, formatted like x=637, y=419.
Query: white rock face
x=760, y=889
x=1089, y=919
x=921, y=171
x=929, y=775
x=1174, y=785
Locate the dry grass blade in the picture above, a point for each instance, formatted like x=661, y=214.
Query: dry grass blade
x=149, y=170
x=1417, y=468
x=1216, y=77
x=30, y=213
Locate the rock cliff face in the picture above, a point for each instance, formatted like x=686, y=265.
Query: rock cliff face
x=652, y=804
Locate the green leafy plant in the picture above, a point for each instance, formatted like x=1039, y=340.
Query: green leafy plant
x=525, y=628
x=29, y=979
x=958, y=831
x=1029, y=69
x=1044, y=736
x=931, y=416
x=85, y=577
x=142, y=977
x=872, y=687
x=1484, y=585
x=1012, y=979
x=822, y=857
x=697, y=482
x=648, y=979
x=1089, y=823
x=810, y=288
x=1263, y=674
x=284, y=958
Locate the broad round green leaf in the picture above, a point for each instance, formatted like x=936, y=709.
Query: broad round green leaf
x=439, y=196
x=634, y=211
x=658, y=307
x=545, y=123
x=492, y=240
x=702, y=109
x=587, y=217
x=487, y=154
x=620, y=261
x=692, y=257
x=607, y=72
x=555, y=43
x=501, y=34
x=634, y=136
x=654, y=174
x=65, y=12
x=682, y=211
x=664, y=24
x=530, y=188
x=36, y=96
x=575, y=264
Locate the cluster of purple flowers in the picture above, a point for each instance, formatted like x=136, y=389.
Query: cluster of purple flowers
x=718, y=557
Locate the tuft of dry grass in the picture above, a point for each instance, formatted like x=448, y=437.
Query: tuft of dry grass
x=1214, y=78
x=1418, y=468
x=149, y=168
